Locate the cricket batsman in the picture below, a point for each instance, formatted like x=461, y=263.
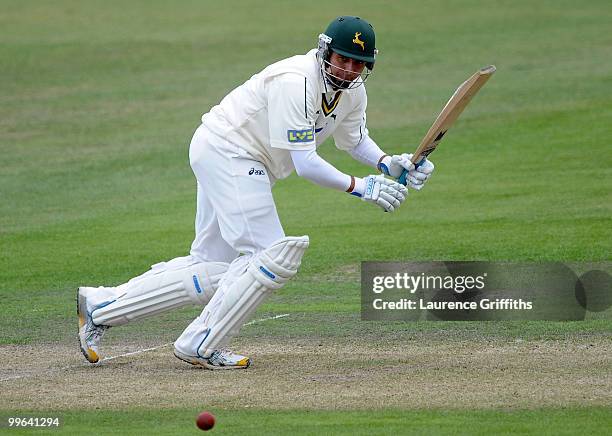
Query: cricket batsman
x=259, y=133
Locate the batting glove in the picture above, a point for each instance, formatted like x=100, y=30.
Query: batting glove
x=384, y=193
x=406, y=173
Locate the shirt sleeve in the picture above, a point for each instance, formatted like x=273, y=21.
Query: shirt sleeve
x=311, y=166
x=367, y=152
x=291, y=112
x=352, y=130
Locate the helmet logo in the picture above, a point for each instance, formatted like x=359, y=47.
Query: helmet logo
x=358, y=41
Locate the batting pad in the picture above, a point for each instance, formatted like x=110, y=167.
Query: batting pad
x=234, y=304
x=164, y=287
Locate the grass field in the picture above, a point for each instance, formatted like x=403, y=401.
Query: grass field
x=98, y=104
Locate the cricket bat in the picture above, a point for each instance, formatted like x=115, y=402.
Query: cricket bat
x=451, y=111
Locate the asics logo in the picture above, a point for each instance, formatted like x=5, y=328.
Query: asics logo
x=255, y=172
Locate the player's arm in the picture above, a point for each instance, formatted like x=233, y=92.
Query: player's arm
x=385, y=193
x=291, y=115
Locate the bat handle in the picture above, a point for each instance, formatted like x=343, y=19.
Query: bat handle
x=402, y=178
x=420, y=162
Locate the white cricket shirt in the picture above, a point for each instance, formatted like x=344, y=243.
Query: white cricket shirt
x=288, y=106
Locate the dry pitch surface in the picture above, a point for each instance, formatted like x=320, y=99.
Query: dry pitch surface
x=317, y=375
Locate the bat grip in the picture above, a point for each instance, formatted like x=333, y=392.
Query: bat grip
x=420, y=162
x=402, y=178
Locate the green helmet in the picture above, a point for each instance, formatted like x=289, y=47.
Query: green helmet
x=352, y=37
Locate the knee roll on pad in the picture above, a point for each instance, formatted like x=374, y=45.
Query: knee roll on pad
x=267, y=271
x=164, y=287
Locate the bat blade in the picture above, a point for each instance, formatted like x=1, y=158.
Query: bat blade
x=451, y=111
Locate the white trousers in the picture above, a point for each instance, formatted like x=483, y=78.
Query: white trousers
x=235, y=213
x=236, y=219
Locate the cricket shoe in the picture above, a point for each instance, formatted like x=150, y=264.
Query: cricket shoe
x=219, y=359
x=90, y=335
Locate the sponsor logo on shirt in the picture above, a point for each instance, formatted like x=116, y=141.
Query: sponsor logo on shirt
x=306, y=135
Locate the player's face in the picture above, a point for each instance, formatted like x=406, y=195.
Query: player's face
x=345, y=68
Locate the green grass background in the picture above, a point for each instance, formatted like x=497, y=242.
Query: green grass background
x=98, y=101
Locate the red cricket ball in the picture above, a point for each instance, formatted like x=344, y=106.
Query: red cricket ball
x=205, y=421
